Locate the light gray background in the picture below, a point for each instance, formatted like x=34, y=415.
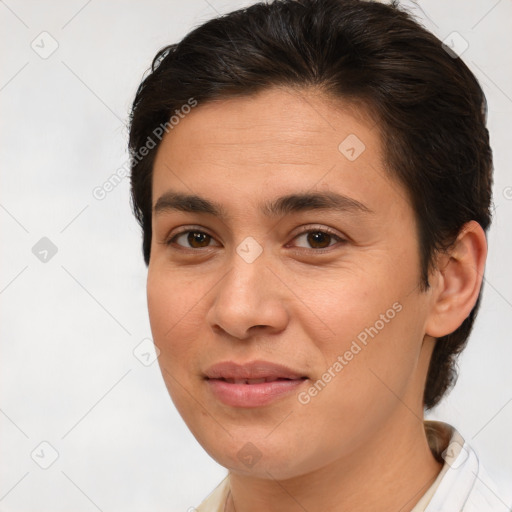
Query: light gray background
x=69, y=325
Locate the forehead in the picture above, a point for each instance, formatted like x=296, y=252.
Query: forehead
x=293, y=121
x=279, y=140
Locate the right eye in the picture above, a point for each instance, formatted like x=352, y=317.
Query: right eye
x=195, y=239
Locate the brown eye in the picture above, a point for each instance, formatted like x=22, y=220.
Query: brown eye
x=317, y=239
x=198, y=239
x=194, y=239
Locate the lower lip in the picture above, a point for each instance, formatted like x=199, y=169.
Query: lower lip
x=252, y=395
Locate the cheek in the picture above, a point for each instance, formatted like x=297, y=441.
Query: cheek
x=378, y=352
x=362, y=382
x=342, y=304
x=173, y=308
x=372, y=334
x=173, y=305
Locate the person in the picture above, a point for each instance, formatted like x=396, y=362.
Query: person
x=313, y=183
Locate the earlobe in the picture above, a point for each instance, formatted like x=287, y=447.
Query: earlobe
x=460, y=275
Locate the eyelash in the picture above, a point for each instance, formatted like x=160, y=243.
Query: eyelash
x=305, y=230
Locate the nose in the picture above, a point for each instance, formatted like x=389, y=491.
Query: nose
x=249, y=299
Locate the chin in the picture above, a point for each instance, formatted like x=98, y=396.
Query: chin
x=256, y=456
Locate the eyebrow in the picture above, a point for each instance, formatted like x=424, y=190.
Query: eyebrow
x=292, y=203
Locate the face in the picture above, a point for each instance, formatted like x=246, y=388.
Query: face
x=284, y=296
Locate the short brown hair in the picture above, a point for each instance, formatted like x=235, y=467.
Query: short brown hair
x=430, y=109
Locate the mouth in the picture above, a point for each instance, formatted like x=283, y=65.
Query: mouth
x=255, y=381
x=252, y=384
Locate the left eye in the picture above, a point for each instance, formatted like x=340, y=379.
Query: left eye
x=318, y=239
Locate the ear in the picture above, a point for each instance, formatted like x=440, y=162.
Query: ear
x=457, y=281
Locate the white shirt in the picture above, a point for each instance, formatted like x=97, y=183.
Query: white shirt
x=461, y=486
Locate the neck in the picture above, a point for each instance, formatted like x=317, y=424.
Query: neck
x=391, y=472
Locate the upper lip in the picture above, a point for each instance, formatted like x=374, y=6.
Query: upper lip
x=251, y=370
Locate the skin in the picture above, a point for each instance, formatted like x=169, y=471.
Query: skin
x=359, y=444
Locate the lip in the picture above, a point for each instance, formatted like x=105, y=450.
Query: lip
x=271, y=382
